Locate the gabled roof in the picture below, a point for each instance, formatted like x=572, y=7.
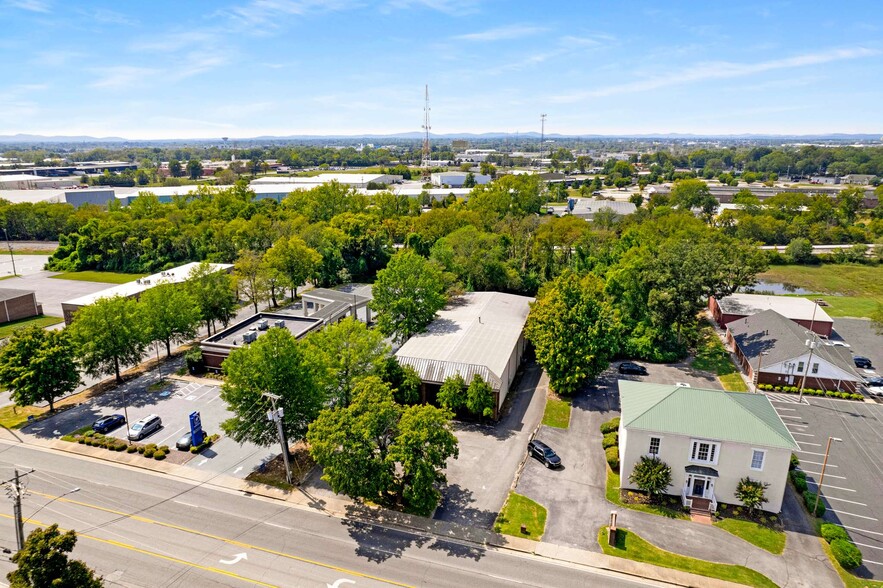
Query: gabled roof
x=705, y=414
x=781, y=339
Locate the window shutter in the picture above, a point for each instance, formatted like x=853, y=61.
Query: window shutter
x=712, y=453
x=693, y=454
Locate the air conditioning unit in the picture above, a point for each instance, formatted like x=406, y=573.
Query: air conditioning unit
x=279, y=323
x=249, y=337
x=263, y=325
x=253, y=329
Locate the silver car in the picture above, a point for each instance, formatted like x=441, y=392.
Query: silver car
x=144, y=427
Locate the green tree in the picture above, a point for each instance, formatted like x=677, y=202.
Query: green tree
x=194, y=169
x=273, y=364
x=452, y=393
x=37, y=365
x=342, y=353
x=751, y=493
x=407, y=294
x=214, y=294
x=574, y=330
x=469, y=182
x=690, y=194
x=43, y=562
x=175, y=168
x=251, y=277
x=799, y=250
x=107, y=334
x=480, y=398
x=170, y=314
x=295, y=260
x=403, y=379
x=652, y=475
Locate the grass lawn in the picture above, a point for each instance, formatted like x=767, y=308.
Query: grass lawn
x=7, y=329
x=108, y=277
x=764, y=537
x=846, y=279
x=631, y=546
x=733, y=383
x=13, y=417
x=557, y=413
x=613, y=496
x=848, y=306
x=520, y=510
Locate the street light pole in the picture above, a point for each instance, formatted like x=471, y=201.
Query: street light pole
x=759, y=360
x=822, y=475
x=11, y=256
x=811, y=343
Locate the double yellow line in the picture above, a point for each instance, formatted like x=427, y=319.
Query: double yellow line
x=201, y=534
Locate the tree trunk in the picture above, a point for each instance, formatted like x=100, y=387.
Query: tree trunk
x=51, y=405
x=116, y=369
x=168, y=348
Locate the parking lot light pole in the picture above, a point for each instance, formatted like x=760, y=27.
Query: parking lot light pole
x=812, y=344
x=759, y=361
x=9, y=245
x=822, y=476
x=126, y=413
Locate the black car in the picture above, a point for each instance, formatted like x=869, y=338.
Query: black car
x=862, y=362
x=628, y=367
x=108, y=423
x=544, y=453
x=184, y=443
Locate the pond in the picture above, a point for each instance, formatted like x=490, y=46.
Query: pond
x=764, y=287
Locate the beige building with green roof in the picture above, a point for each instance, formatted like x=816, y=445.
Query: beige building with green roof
x=710, y=439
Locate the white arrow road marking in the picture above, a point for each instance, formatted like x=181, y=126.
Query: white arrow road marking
x=237, y=470
x=205, y=460
x=339, y=582
x=56, y=432
x=236, y=559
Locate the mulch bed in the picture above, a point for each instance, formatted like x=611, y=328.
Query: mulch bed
x=273, y=472
x=632, y=497
x=734, y=511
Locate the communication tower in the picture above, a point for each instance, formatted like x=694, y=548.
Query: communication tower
x=427, y=151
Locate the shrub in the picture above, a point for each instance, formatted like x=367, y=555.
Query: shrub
x=831, y=532
x=148, y=452
x=141, y=449
x=794, y=462
x=809, y=499
x=164, y=449
x=81, y=440
x=159, y=455
x=799, y=479
x=777, y=388
x=194, y=449
x=131, y=449
x=610, y=440
x=847, y=555
x=856, y=397
x=612, y=455
x=610, y=426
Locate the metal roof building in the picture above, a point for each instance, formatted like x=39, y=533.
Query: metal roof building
x=802, y=311
x=478, y=333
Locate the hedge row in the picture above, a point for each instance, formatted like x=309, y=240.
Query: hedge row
x=612, y=455
x=206, y=443
x=798, y=477
x=93, y=439
x=611, y=426
x=811, y=392
x=809, y=499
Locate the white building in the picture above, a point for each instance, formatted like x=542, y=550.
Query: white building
x=587, y=208
x=456, y=179
x=709, y=438
x=354, y=180
x=478, y=333
x=474, y=155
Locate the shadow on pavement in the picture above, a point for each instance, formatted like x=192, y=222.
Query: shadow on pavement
x=458, y=500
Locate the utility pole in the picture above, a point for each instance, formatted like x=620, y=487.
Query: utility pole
x=275, y=416
x=542, y=135
x=13, y=488
x=11, y=256
x=811, y=343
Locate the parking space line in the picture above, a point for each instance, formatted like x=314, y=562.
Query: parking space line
x=808, y=473
x=830, y=465
x=783, y=408
x=803, y=434
x=172, y=436
x=861, y=530
x=866, y=545
x=213, y=399
x=208, y=391
x=796, y=425
x=788, y=416
x=870, y=561
x=829, y=486
x=843, y=500
x=809, y=453
x=852, y=514
x=808, y=443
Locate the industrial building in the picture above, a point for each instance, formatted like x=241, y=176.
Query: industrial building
x=587, y=208
x=457, y=179
x=134, y=289
x=479, y=333
x=218, y=347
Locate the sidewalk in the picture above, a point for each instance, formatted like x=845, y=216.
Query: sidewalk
x=344, y=508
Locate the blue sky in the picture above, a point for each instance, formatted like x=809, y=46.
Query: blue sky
x=186, y=69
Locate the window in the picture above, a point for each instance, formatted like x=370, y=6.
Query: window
x=757, y=457
x=815, y=368
x=704, y=452
x=654, y=446
x=799, y=366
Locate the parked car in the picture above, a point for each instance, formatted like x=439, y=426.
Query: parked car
x=184, y=443
x=629, y=367
x=862, y=362
x=544, y=453
x=108, y=423
x=875, y=385
x=144, y=427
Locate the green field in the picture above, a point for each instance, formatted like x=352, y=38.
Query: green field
x=520, y=510
x=851, y=289
x=764, y=537
x=631, y=546
x=557, y=413
x=107, y=277
x=7, y=329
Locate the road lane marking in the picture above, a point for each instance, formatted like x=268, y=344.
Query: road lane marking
x=217, y=538
x=277, y=526
x=234, y=560
x=187, y=504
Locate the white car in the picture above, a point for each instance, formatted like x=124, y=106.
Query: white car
x=874, y=385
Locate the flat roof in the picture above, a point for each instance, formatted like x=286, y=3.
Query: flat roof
x=33, y=196
x=10, y=293
x=298, y=326
x=478, y=329
x=173, y=276
x=354, y=178
x=792, y=307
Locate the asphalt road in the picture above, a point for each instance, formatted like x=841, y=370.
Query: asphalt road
x=142, y=529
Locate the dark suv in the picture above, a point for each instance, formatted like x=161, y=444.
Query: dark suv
x=544, y=453
x=108, y=423
x=629, y=367
x=862, y=362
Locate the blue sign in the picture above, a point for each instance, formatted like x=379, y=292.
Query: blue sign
x=197, y=435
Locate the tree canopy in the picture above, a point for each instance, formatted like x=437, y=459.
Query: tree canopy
x=38, y=365
x=108, y=334
x=43, y=562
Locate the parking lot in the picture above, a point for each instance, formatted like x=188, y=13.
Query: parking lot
x=173, y=402
x=853, y=484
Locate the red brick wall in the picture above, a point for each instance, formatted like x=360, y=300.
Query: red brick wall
x=23, y=306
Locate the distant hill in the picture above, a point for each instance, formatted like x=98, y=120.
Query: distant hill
x=21, y=138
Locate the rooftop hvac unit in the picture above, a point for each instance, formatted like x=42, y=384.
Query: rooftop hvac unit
x=253, y=329
x=263, y=325
x=249, y=337
x=279, y=323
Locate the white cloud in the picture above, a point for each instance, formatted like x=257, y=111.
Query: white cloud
x=717, y=70
x=29, y=5
x=172, y=42
x=121, y=76
x=268, y=12
x=451, y=7
x=502, y=33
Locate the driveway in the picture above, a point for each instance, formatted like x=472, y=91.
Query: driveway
x=480, y=478
x=863, y=340
x=24, y=264
x=52, y=292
